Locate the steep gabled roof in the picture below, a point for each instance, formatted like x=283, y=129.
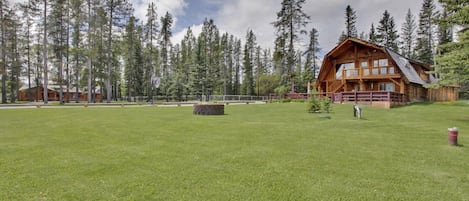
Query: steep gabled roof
x=406, y=67
x=403, y=63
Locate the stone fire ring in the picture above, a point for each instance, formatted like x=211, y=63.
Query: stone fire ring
x=209, y=109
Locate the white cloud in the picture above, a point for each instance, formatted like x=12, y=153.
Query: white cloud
x=177, y=37
x=237, y=16
x=174, y=7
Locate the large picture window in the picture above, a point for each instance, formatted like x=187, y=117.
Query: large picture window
x=342, y=67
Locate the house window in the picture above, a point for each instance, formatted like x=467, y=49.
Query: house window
x=386, y=86
x=380, y=66
x=366, y=70
x=380, y=62
x=341, y=67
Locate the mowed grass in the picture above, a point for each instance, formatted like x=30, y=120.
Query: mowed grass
x=254, y=152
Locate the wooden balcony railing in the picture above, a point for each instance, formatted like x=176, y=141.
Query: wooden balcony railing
x=369, y=96
x=358, y=73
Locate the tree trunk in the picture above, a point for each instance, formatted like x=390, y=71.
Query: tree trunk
x=89, y=52
x=44, y=50
x=3, y=63
x=109, y=54
x=67, y=54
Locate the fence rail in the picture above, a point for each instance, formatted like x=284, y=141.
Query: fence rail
x=362, y=96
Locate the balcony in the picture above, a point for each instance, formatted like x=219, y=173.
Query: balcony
x=370, y=73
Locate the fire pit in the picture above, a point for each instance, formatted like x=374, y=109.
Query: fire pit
x=209, y=109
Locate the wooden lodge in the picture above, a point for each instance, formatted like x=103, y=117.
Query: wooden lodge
x=360, y=71
x=37, y=94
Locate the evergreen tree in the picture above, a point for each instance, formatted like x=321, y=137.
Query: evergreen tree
x=187, y=59
x=3, y=29
x=199, y=69
x=387, y=33
x=373, y=35
x=350, y=21
x=77, y=50
x=342, y=37
x=445, y=31
x=58, y=32
x=165, y=45
x=408, y=35
x=179, y=74
x=151, y=34
x=29, y=12
x=133, y=59
x=212, y=40
x=454, y=61
x=311, y=65
x=248, y=64
x=237, y=67
x=13, y=60
x=118, y=11
x=291, y=20
x=45, y=55
x=425, y=34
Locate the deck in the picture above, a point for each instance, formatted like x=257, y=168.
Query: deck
x=386, y=99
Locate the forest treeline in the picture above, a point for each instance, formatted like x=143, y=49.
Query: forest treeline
x=99, y=46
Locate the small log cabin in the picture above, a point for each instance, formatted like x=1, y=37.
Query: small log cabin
x=360, y=71
x=37, y=94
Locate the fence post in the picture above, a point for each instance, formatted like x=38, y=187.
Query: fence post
x=371, y=97
x=356, y=99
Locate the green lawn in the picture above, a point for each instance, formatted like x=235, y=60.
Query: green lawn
x=255, y=152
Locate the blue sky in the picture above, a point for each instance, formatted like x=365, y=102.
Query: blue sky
x=236, y=16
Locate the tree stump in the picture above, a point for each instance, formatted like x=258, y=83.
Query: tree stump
x=209, y=109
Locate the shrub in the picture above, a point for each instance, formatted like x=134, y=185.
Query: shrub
x=326, y=104
x=314, y=105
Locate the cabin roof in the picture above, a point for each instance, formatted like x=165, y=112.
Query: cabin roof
x=403, y=63
x=406, y=67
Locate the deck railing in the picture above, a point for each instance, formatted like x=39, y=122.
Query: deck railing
x=356, y=97
x=369, y=96
x=371, y=72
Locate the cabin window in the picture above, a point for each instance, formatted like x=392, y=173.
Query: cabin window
x=380, y=67
x=380, y=62
x=341, y=67
x=386, y=86
x=364, y=65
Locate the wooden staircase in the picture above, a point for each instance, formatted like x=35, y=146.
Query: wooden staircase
x=335, y=86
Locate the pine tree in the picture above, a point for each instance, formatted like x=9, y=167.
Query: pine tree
x=58, y=33
x=3, y=30
x=212, y=40
x=29, y=12
x=387, y=33
x=248, y=64
x=77, y=50
x=117, y=11
x=187, y=59
x=133, y=59
x=151, y=32
x=373, y=35
x=13, y=59
x=445, y=31
x=237, y=67
x=45, y=55
x=199, y=68
x=350, y=21
x=408, y=35
x=454, y=61
x=311, y=65
x=291, y=20
x=425, y=34
x=165, y=45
